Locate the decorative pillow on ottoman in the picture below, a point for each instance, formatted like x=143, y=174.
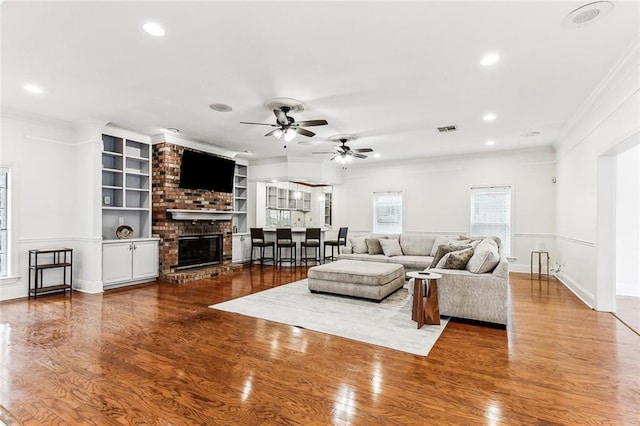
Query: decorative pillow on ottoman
x=373, y=244
x=485, y=257
x=390, y=247
x=455, y=259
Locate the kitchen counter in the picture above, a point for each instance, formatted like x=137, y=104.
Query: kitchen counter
x=295, y=229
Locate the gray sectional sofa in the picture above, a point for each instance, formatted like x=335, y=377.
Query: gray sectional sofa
x=461, y=293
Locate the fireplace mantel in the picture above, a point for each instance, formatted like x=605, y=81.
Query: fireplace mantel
x=209, y=215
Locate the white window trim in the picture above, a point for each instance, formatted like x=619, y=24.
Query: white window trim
x=511, y=252
x=402, y=209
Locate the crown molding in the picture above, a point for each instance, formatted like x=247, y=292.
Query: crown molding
x=16, y=114
x=172, y=138
x=626, y=66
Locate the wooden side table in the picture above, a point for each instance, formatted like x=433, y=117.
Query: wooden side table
x=540, y=253
x=429, y=314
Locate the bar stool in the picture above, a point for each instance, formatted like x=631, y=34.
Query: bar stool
x=284, y=240
x=311, y=240
x=258, y=241
x=341, y=241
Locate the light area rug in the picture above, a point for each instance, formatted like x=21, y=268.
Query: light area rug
x=387, y=323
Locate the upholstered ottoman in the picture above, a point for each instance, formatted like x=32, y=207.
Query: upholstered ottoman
x=370, y=280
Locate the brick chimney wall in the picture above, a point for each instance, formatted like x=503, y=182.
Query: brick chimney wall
x=166, y=160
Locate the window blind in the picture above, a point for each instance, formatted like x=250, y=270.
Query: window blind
x=491, y=213
x=387, y=212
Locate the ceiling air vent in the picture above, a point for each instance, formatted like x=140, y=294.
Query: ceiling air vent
x=445, y=129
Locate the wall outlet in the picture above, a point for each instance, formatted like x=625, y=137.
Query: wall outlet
x=120, y=220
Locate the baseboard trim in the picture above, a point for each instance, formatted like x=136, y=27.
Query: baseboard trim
x=580, y=292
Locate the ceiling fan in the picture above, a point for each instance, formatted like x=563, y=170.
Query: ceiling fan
x=287, y=126
x=343, y=153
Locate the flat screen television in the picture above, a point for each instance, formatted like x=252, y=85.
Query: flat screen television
x=206, y=172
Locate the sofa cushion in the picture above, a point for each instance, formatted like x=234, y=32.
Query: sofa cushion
x=441, y=240
x=456, y=259
x=364, y=256
x=416, y=244
x=412, y=263
x=359, y=244
x=485, y=257
x=373, y=245
x=390, y=247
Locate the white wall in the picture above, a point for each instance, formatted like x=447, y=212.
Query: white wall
x=628, y=223
x=51, y=205
x=609, y=117
x=437, y=191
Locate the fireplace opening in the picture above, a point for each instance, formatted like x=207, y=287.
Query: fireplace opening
x=199, y=250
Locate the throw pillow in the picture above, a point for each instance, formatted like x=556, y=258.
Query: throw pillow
x=485, y=258
x=440, y=240
x=373, y=244
x=390, y=247
x=442, y=251
x=456, y=259
x=359, y=245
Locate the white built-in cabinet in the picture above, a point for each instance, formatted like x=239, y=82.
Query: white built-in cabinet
x=286, y=199
x=128, y=262
x=241, y=251
x=126, y=200
x=241, y=248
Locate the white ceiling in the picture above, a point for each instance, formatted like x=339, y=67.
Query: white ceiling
x=389, y=72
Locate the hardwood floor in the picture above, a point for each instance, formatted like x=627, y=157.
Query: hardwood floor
x=628, y=311
x=156, y=354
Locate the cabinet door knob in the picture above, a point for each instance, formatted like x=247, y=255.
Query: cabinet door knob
x=130, y=245
x=135, y=246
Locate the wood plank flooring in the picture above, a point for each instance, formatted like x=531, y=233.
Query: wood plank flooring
x=628, y=311
x=156, y=354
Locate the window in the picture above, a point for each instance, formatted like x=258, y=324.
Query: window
x=491, y=213
x=387, y=212
x=327, y=208
x=4, y=222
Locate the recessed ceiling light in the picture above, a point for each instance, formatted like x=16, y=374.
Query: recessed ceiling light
x=529, y=134
x=154, y=29
x=489, y=143
x=376, y=155
x=274, y=180
x=220, y=107
x=172, y=130
x=489, y=117
x=35, y=89
x=489, y=59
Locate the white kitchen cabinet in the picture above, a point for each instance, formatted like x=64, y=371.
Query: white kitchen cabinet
x=129, y=262
x=241, y=250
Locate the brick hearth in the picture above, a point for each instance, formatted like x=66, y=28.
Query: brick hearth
x=167, y=195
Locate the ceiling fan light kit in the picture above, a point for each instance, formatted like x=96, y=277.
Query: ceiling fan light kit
x=343, y=153
x=286, y=125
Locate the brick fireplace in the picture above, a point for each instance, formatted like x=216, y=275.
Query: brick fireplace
x=178, y=213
